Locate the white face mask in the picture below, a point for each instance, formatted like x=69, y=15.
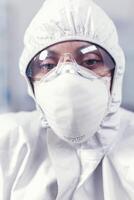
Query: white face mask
x=74, y=106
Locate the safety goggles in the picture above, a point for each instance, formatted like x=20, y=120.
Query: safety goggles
x=84, y=56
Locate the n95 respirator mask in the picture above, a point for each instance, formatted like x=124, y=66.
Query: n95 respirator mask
x=73, y=100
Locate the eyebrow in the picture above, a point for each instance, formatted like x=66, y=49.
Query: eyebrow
x=52, y=53
x=83, y=49
x=49, y=53
x=88, y=49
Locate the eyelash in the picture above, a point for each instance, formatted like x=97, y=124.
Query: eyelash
x=91, y=62
x=48, y=66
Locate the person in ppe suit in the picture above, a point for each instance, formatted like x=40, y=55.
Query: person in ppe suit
x=79, y=143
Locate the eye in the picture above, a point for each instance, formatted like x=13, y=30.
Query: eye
x=47, y=66
x=91, y=63
x=48, y=63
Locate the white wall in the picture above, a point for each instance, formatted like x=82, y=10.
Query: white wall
x=20, y=13
x=3, y=56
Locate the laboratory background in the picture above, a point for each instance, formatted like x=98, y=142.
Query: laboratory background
x=15, y=16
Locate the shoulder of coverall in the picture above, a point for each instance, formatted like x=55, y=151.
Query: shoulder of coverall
x=19, y=127
x=127, y=118
x=122, y=155
x=125, y=142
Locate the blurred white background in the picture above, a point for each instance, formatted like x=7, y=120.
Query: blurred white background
x=15, y=15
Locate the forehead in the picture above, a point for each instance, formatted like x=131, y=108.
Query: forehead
x=69, y=46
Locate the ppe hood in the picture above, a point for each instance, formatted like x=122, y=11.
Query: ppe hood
x=63, y=20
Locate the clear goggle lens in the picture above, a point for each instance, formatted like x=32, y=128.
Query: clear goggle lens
x=89, y=56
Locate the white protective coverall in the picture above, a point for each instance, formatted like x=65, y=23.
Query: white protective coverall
x=35, y=164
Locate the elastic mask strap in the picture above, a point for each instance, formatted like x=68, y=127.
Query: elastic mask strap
x=44, y=121
x=107, y=81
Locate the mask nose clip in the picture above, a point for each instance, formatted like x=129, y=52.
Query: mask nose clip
x=67, y=64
